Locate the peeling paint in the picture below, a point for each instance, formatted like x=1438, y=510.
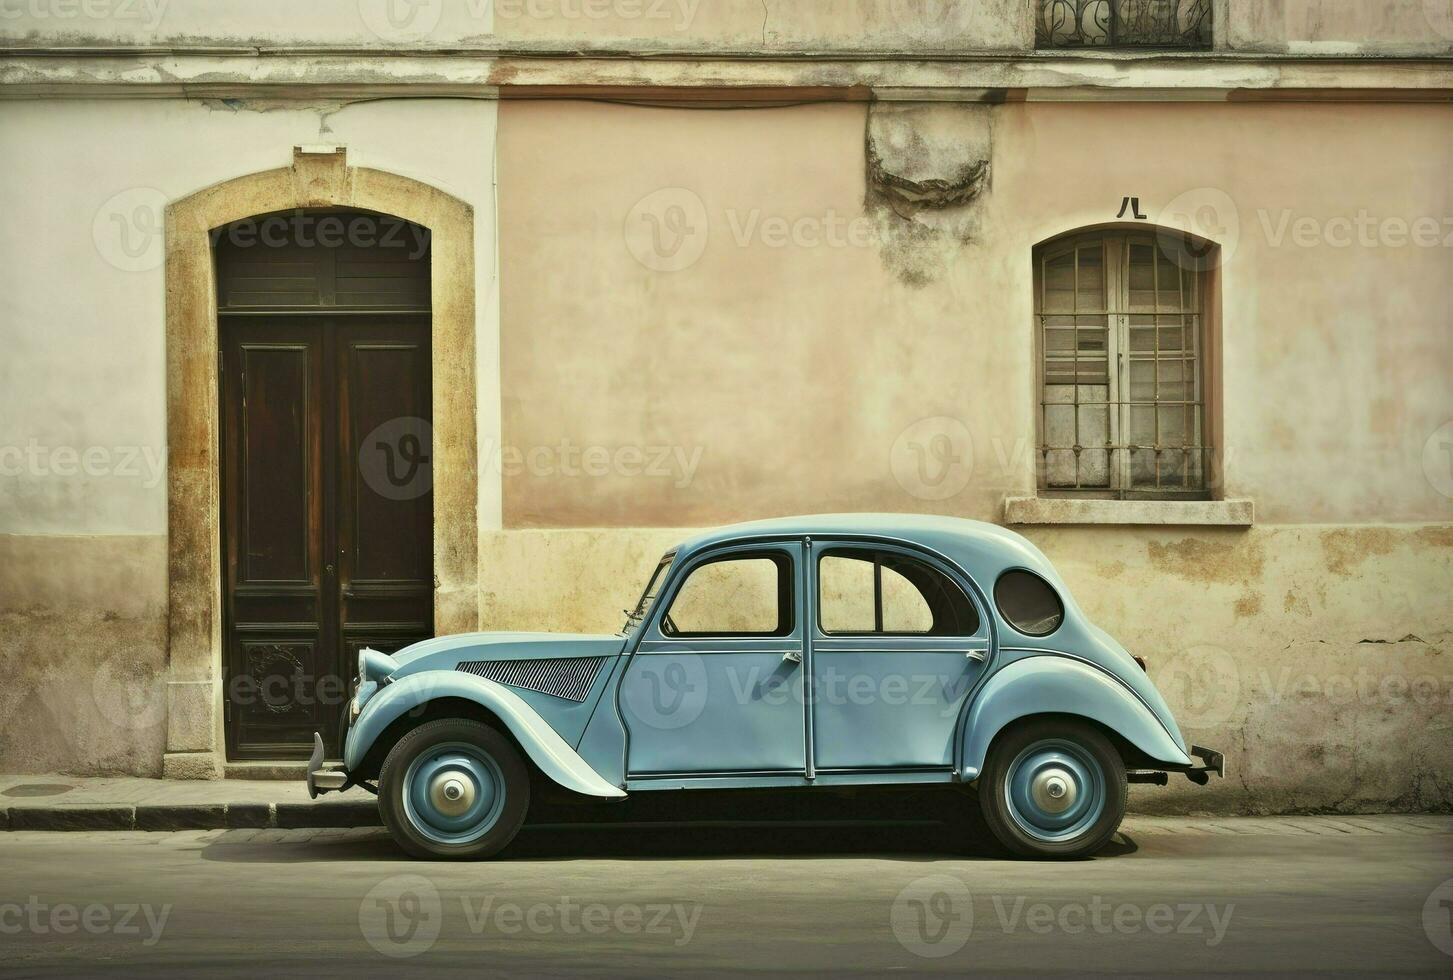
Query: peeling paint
x=1208, y=560
x=1346, y=548
x=927, y=168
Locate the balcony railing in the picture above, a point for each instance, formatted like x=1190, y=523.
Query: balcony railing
x=1123, y=24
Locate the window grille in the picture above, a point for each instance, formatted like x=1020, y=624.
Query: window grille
x=1121, y=336
x=1123, y=23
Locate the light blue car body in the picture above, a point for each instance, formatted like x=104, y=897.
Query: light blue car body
x=606, y=715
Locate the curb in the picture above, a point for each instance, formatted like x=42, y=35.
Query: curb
x=72, y=817
x=293, y=816
x=189, y=816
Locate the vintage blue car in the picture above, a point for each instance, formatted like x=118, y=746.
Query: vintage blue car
x=836, y=651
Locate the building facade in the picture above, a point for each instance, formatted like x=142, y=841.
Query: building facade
x=351, y=325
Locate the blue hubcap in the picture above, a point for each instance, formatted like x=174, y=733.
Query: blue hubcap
x=454, y=793
x=1055, y=789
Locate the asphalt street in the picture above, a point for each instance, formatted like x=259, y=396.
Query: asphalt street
x=1345, y=895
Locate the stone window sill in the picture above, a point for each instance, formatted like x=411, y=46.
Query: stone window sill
x=1070, y=510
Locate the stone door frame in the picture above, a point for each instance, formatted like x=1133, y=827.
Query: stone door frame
x=195, y=695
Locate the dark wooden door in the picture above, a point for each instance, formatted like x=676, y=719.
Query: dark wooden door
x=326, y=492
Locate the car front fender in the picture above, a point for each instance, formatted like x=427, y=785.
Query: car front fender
x=1049, y=684
x=541, y=743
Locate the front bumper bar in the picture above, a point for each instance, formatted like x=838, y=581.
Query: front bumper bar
x=321, y=780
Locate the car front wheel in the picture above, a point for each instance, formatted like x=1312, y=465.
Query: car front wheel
x=454, y=788
x=1053, y=788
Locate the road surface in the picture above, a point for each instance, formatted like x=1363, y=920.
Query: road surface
x=1361, y=894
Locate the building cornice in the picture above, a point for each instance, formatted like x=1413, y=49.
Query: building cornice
x=717, y=75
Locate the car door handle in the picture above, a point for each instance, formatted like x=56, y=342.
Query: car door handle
x=979, y=655
x=792, y=657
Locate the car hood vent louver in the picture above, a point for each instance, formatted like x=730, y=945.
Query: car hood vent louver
x=566, y=677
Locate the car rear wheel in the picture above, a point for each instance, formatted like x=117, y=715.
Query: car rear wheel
x=454, y=788
x=1053, y=788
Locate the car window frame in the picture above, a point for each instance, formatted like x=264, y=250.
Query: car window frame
x=787, y=573
x=969, y=593
x=993, y=595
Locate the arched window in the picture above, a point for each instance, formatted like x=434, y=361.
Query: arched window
x=1121, y=330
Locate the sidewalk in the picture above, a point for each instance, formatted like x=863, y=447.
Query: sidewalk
x=50, y=802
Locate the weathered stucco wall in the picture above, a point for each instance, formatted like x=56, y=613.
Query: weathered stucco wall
x=1330, y=27
x=671, y=263
x=713, y=315
x=1265, y=26
x=83, y=386
x=718, y=293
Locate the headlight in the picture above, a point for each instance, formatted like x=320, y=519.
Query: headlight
x=373, y=669
x=374, y=666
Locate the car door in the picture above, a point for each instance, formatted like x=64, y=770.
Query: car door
x=715, y=685
x=897, y=645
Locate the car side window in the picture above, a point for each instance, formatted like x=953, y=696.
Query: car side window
x=862, y=591
x=737, y=595
x=1028, y=603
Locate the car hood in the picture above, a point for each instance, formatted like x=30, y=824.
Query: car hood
x=447, y=652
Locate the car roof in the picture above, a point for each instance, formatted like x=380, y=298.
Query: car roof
x=980, y=548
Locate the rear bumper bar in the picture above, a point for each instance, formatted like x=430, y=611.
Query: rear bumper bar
x=321, y=780
x=1213, y=762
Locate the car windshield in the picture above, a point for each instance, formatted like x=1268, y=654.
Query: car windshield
x=634, y=616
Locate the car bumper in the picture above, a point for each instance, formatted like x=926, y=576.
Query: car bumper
x=1213, y=762
x=320, y=779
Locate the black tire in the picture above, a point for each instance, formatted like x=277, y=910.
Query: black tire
x=509, y=770
x=1015, y=832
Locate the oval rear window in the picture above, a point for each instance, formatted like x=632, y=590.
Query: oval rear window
x=1028, y=603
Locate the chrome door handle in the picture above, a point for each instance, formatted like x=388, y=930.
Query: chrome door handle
x=792, y=656
x=979, y=655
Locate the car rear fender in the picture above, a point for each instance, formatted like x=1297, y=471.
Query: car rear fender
x=1050, y=684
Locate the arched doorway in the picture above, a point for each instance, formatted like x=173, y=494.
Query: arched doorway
x=323, y=319
x=196, y=678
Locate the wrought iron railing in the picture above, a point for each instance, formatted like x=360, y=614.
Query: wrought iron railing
x=1122, y=23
